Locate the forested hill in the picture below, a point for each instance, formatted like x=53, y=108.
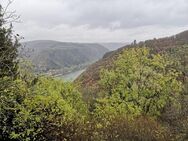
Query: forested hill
x=63, y=57
x=91, y=75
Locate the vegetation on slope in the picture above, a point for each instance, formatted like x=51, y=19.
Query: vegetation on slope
x=90, y=77
x=61, y=58
x=136, y=95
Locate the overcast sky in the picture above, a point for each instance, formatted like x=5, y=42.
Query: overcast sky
x=100, y=20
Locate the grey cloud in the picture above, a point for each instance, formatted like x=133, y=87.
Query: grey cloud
x=133, y=13
x=129, y=13
x=102, y=16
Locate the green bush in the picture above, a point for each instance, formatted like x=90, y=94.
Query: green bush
x=53, y=110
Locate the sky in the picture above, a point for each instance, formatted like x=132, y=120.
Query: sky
x=99, y=20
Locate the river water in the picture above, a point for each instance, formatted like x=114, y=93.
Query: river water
x=72, y=76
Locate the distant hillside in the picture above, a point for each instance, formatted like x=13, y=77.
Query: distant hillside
x=91, y=75
x=58, y=58
x=113, y=46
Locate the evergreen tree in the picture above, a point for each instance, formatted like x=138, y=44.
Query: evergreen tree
x=8, y=47
x=8, y=72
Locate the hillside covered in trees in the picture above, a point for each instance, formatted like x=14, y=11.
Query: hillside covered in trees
x=59, y=58
x=175, y=42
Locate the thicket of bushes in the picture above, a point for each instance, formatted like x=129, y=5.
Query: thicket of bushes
x=143, y=98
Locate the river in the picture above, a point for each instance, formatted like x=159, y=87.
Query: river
x=72, y=76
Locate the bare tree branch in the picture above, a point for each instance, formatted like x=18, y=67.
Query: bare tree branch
x=6, y=7
x=9, y=16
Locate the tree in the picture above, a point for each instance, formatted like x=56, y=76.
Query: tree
x=9, y=92
x=139, y=83
x=8, y=44
x=52, y=110
x=137, y=89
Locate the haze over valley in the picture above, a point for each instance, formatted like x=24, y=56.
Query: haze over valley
x=61, y=59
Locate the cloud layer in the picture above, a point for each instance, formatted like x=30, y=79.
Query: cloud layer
x=100, y=20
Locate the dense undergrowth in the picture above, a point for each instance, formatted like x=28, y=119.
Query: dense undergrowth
x=142, y=97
